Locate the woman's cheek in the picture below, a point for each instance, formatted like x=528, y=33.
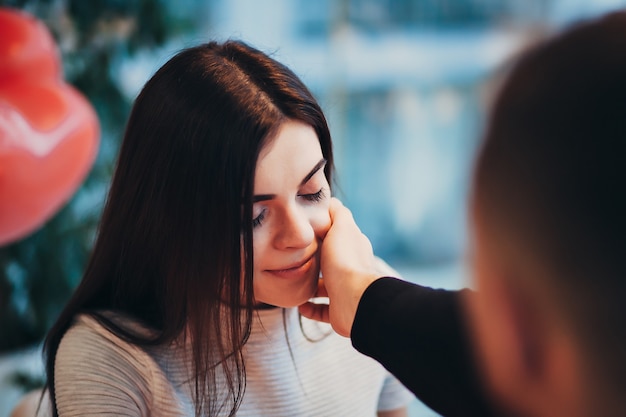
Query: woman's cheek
x=321, y=220
x=260, y=243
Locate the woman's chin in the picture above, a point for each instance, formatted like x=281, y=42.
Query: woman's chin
x=289, y=302
x=292, y=295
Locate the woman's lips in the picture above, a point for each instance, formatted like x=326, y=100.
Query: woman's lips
x=295, y=270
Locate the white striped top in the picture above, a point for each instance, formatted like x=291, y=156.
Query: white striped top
x=97, y=373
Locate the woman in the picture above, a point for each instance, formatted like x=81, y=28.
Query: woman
x=214, y=219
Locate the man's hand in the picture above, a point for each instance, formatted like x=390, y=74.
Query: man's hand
x=348, y=267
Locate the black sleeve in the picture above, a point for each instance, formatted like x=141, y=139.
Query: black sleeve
x=419, y=335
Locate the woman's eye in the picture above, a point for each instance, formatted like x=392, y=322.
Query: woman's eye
x=315, y=197
x=256, y=222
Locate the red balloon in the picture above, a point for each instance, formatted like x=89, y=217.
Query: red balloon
x=49, y=132
x=26, y=47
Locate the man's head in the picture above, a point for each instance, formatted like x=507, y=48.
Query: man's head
x=549, y=215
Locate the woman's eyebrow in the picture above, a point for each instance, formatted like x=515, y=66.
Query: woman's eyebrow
x=316, y=168
x=262, y=197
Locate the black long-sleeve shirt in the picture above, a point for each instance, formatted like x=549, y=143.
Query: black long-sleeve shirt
x=420, y=336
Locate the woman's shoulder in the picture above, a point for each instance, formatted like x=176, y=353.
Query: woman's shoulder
x=95, y=367
x=89, y=342
x=99, y=330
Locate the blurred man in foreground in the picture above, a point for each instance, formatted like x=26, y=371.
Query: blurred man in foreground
x=544, y=333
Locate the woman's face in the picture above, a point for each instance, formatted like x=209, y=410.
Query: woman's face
x=290, y=216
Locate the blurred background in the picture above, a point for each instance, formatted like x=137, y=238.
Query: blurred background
x=405, y=85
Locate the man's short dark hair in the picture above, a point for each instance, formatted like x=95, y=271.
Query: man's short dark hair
x=551, y=180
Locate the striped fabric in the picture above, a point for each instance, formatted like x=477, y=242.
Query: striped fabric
x=99, y=374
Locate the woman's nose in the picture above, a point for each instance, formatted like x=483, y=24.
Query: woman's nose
x=295, y=230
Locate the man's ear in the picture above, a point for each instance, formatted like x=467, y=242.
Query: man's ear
x=523, y=338
x=527, y=355
x=508, y=341
x=528, y=323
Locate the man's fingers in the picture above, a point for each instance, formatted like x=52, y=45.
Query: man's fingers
x=321, y=289
x=338, y=211
x=341, y=216
x=314, y=310
x=318, y=312
x=335, y=204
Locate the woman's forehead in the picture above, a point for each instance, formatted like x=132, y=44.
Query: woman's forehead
x=292, y=153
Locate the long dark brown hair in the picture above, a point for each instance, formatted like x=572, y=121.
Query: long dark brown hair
x=175, y=229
